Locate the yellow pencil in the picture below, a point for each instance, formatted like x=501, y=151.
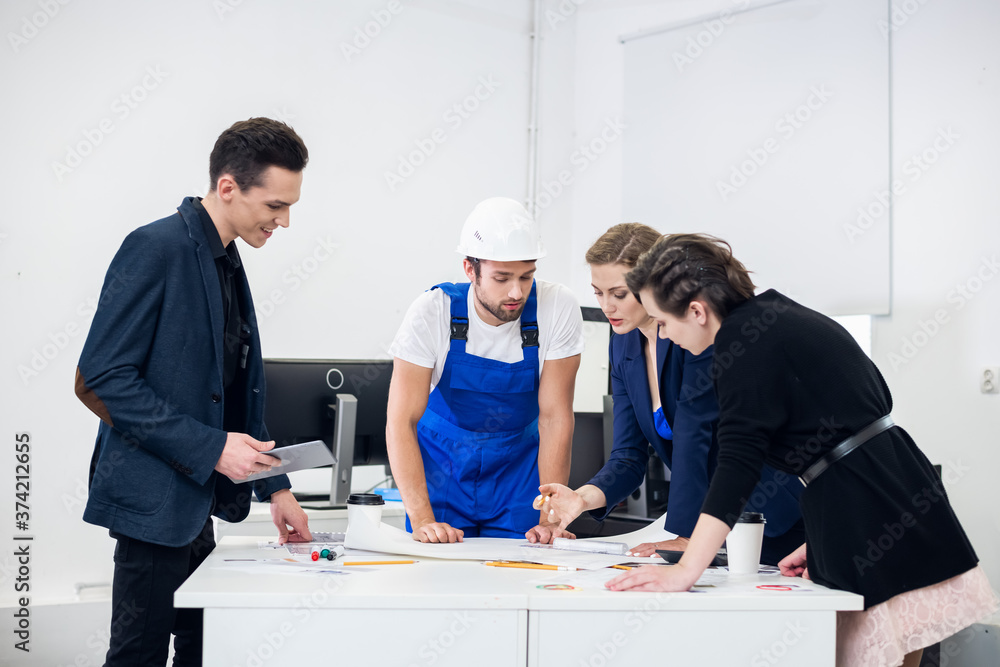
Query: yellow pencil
x=381, y=562
x=528, y=566
x=621, y=567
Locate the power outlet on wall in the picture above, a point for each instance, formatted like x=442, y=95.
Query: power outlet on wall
x=989, y=380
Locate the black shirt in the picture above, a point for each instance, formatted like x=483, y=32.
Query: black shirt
x=792, y=384
x=235, y=330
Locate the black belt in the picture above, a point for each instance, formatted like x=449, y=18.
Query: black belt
x=845, y=448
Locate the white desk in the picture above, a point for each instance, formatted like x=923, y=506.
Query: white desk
x=440, y=612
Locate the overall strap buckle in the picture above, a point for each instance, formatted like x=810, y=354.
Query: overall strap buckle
x=529, y=334
x=459, y=328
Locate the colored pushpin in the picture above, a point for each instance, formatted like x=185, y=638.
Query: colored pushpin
x=315, y=555
x=324, y=553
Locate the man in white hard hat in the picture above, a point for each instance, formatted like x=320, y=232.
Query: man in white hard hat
x=481, y=400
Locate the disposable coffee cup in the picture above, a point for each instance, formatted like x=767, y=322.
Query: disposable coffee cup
x=744, y=542
x=364, y=508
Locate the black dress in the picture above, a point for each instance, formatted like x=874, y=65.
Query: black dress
x=792, y=384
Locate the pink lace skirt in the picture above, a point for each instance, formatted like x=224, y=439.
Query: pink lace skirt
x=882, y=635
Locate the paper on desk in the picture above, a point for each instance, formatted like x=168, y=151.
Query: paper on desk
x=274, y=565
x=580, y=559
x=653, y=532
x=320, y=539
x=363, y=534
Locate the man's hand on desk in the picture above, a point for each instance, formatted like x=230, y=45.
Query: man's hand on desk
x=649, y=548
x=291, y=520
x=436, y=532
x=544, y=533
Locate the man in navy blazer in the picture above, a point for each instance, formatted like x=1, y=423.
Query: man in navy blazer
x=172, y=366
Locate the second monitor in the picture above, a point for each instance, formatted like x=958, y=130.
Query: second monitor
x=340, y=401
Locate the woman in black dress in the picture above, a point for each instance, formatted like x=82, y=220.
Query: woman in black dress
x=793, y=386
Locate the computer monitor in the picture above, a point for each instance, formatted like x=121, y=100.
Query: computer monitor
x=339, y=401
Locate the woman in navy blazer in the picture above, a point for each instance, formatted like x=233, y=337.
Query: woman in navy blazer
x=663, y=396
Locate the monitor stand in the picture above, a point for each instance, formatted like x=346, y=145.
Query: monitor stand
x=345, y=416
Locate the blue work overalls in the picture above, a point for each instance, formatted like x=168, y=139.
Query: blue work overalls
x=479, y=434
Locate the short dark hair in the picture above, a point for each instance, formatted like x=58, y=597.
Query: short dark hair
x=249, y=147
x=682, y=267
x=477, y=268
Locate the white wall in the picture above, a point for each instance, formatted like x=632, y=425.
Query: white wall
x=946, y=61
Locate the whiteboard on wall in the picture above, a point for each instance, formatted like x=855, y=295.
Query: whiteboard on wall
x=768, y=125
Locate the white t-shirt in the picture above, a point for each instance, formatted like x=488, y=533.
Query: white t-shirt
x=424, y=337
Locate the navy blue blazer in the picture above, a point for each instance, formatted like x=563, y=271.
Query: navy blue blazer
x=151, y=369
x=687, y=395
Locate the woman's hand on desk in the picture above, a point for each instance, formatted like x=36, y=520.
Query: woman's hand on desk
x=434, y=531
x=794, y=564
x=649, y=548
x=666, y=578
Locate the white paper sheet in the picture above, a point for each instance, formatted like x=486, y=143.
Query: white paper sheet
x=364, y=534
x=653, y=532
x=579, y=559
x=275, y=566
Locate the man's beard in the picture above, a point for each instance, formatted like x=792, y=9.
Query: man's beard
x=498, y=311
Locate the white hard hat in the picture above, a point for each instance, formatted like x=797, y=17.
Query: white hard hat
x=500, y=229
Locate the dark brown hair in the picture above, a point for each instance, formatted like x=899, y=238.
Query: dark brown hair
x=249, y=147
x=682, y=267
x=622, y=244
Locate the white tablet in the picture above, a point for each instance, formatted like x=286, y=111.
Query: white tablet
x=294, y=457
